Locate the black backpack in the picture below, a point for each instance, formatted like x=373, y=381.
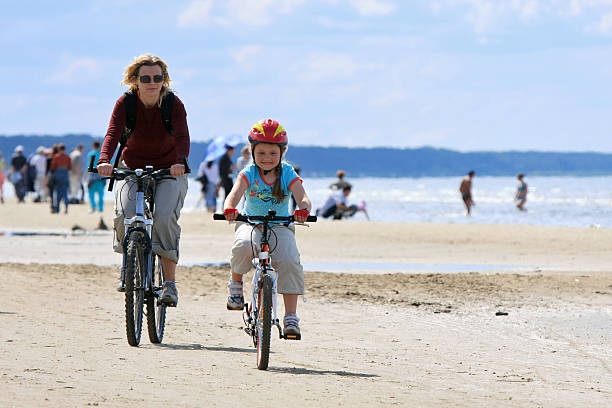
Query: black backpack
x=131, y=108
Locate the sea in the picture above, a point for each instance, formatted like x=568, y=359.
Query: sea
x=551, y=201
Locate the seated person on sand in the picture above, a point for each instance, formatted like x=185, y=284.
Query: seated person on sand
x=336, y=205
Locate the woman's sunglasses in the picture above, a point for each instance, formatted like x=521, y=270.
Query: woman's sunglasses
x=145, y=79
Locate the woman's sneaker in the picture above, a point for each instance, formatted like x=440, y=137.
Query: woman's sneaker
x=292, y=327
x=235, y=300
x=169, y=295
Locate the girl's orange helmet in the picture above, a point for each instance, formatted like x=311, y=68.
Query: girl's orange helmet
x=268, y=131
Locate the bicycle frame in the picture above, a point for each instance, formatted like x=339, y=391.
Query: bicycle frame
x=140, y=222
x=262, y=266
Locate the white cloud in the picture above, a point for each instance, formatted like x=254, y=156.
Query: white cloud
x=373, y=7
x=325, y=66
x=196, y=13
x=246, y=54
x=226, y=12
x=605, y=24
x=485, y=15
x=74, y=70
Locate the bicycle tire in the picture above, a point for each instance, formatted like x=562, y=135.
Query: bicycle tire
x=156, y=310
x=264, y=322
x=134, y=291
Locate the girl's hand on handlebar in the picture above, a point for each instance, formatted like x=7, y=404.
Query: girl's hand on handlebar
x=177, y=170
x=300, y=215
x=230, y=214
x=105, y=169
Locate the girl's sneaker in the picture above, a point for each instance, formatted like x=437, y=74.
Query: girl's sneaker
x=292, y=326
x=235, y=300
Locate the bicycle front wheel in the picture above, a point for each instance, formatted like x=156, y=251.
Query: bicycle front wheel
x=134, y=287
x=264, y=322
x=156, y=310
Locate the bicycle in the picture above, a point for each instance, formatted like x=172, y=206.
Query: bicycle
x=142, y=273
x=260, y=314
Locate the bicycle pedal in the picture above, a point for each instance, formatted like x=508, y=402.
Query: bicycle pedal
x=168, y=304
x=293, y=336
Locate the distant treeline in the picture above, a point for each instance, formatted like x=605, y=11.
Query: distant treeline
x=316, y=161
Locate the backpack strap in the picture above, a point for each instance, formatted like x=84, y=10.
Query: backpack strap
x=166, y=112
x=131, y=107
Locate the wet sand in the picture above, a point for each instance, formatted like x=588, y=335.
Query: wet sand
x=537, y=332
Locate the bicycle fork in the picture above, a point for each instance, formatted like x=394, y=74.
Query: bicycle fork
x=139, y=223
x=250, y=313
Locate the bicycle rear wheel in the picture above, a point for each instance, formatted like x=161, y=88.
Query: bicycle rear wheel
x=156, y=310
x=134, y=291
x=264, y=322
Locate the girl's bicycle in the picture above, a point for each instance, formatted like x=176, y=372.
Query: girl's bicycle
x=142, y=273
x=260, y=314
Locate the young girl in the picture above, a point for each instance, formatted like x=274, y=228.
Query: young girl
x=267, y=184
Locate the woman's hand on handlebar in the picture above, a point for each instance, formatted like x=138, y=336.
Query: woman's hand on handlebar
x=177, y=170
x=105, y=169
x=230, y=214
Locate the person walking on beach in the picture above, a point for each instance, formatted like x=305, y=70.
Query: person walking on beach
x=60, y=172
x=19, y=166
x=50, y=187
x=267, y=184
x=226, y=167
x=521, y=193
x=244, y=159
x=465, y=188
x=2, y=170
x=76, y=175
x=210, y=171
x=340, y=184
x=95, y=184
x=39, y=162
x=150, y=144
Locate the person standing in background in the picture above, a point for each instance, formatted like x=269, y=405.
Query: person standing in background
x=340, y=184
x=39, y=162
x=244, y=159
x=521, y=193
x=76, y=175
x=465, y=188
x=95, y=184
x=210, y=170
x=60, y=169
x=50, y=187
x=226, y=167
x=2, y=169
x=19, y=166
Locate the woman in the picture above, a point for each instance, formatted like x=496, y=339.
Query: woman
x=521, y=193
x=151, y=144
x=60, y=173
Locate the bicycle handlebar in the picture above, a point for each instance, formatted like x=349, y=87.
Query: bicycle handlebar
x=122, y=174
x=247, y=218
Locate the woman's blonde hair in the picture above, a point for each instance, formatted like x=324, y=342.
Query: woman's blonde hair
x=130, y=75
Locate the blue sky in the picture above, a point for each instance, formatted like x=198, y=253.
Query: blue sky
x=460, y=74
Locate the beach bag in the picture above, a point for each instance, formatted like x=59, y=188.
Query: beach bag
x=15, y=177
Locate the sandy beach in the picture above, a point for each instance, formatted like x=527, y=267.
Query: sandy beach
x=415, y=315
